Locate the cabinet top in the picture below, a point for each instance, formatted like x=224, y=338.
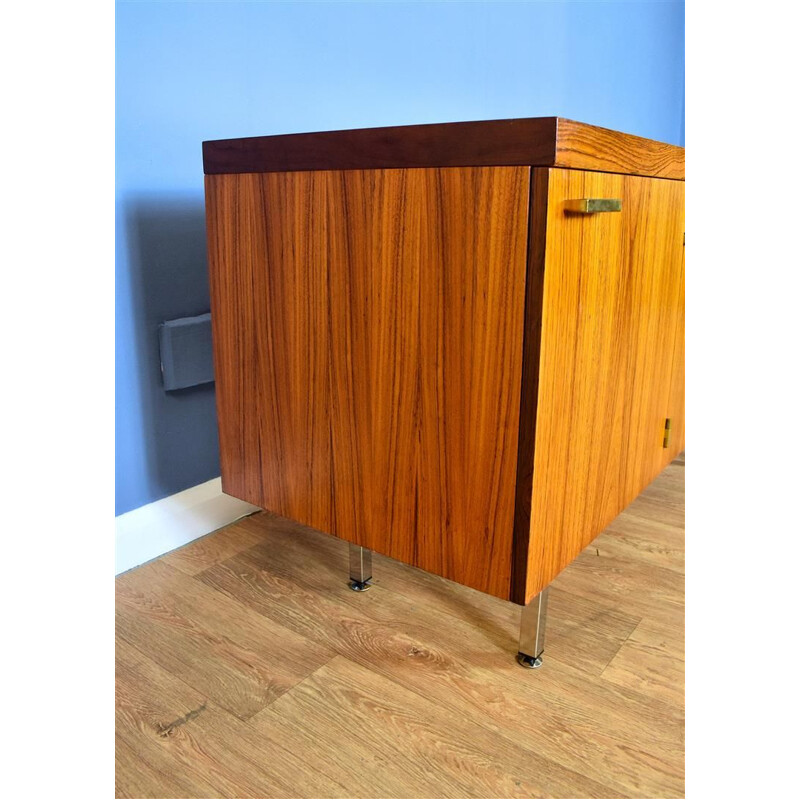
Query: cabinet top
x=537, y=142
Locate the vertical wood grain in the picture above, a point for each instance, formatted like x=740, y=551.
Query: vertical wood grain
x=610, y=311
x=675, y=410
x=368, y=346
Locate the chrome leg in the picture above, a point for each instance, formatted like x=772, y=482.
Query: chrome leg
x=531, y=631
x=360, y=568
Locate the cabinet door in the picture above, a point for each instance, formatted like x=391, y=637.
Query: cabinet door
x=368, y=330
x=610, y=309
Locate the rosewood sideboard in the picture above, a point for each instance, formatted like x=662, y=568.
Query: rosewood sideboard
x=458, y=345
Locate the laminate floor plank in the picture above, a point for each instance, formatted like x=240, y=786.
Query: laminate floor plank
x=415, y=748
x=158, y=773
x=208, y=550
x=646, y=540
x=177, y=730
x=650, y=661
x=237, y=657
x=168, y=745
x=637, y=563
x=467, y=669
x=321, y=561
x=407, y=690
x=141, y=773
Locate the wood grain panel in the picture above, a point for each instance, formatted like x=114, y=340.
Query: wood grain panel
x=610, y=311
x=581, y=146
x=537, y=141
x=368, y=348
x=675, y=409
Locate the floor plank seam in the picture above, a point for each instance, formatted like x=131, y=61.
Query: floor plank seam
x=248, y=719
x=622, y=644
x=206, y=698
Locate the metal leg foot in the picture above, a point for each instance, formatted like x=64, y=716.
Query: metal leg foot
x=531, y=632
x=360, y=568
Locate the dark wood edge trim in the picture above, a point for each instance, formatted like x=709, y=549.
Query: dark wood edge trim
x=482, y=143
x=532, y=142
x=529, y=390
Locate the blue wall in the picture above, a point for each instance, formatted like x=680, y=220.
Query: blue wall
x=193, y=71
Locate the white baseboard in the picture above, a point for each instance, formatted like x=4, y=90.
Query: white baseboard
x=152, y=530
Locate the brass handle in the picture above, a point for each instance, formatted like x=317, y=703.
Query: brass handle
x=592, y=205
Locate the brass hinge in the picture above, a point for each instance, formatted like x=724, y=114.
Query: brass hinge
x=667, y=431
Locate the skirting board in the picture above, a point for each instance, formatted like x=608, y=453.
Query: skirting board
x=152, y=530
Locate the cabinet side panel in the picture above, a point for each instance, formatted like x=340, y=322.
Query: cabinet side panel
x=610, y=310
x=368, y=336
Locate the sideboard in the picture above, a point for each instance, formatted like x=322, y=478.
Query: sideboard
x=459, y=345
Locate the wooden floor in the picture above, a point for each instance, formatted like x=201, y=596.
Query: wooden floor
x=247, y=668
